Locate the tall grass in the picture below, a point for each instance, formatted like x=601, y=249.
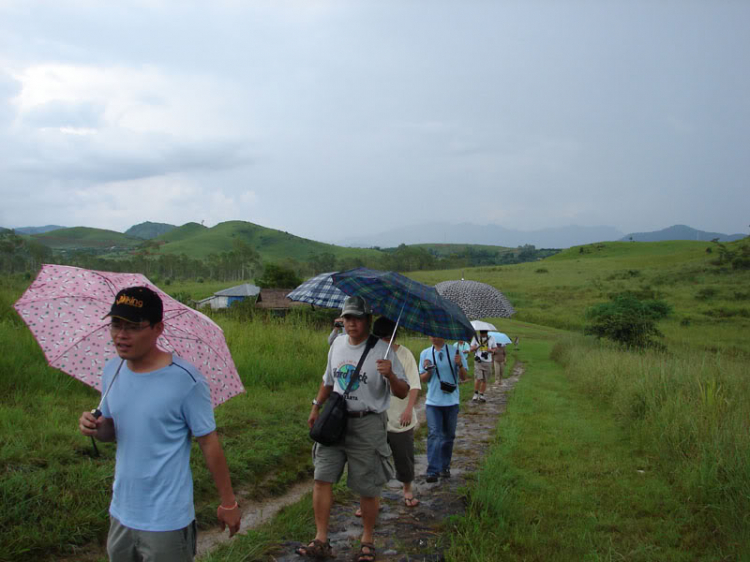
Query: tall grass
x=690, y=412
x=54, y=495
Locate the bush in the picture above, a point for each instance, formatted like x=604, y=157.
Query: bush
x=627, y=320
x=542, y=270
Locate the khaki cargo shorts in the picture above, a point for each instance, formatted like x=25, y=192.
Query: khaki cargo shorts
x=366, y=452
x=482, y=371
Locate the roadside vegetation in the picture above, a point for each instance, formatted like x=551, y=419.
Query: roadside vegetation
x=605, y=452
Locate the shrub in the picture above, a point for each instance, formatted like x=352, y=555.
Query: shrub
x=627, y=320
x=542, y=270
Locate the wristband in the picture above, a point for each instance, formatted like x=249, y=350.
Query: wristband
x=235, y=506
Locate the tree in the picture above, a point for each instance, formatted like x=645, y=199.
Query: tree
x=627, y=320
x=277, y=276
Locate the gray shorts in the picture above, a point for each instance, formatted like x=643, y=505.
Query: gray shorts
x=366, y=452
x=482, y=371
x=132, y=545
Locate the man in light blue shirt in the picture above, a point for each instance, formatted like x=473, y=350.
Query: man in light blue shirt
x=157, y=403
x=442, y=367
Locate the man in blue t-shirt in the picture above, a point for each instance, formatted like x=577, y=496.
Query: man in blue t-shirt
x=156, y=404
x=442, y=367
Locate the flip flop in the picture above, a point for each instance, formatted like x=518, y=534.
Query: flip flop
x=411, y=502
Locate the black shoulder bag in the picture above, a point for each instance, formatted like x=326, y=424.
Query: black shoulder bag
x=330, y=426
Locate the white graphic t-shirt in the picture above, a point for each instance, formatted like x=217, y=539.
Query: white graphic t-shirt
x=371, y=392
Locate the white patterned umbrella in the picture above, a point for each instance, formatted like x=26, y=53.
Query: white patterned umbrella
x=65, y=306
x=477, y=300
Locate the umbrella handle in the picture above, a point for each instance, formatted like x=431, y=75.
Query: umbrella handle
x=97, y=413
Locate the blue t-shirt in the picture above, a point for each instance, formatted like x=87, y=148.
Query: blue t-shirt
x=155, y=415
x=443, y=359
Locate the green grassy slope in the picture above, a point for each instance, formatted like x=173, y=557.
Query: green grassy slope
x=557, y=291
x=270, y=244
x=81, y=237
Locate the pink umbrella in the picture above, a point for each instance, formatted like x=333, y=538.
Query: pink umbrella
x=65, y=307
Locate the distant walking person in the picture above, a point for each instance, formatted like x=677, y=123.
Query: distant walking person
x=498, y=358
x=483, y=348
x=442, y=367
x=157, y=403
x=338, y=330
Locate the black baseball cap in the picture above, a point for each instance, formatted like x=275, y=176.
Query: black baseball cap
x=136, y=304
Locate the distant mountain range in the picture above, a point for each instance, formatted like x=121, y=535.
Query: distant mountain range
x=560, y=237
x=680, y=232
x=173, y=238
x=37, y=229
x=468, y=233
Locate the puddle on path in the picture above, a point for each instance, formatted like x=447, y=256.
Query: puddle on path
x=401, y=533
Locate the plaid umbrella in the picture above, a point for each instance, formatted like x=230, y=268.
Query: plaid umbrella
x=319, y=291
x=477, y=300
x=408, y=302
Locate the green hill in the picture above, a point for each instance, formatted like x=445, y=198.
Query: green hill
x=85, y=238
x=557, y=290
x=197, y=241
x=184, y=232
x=148, y=230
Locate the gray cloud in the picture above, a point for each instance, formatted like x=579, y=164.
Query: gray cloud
x=632, y=114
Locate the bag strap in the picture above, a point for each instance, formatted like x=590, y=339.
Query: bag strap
x=450, y=363
x=371, y=341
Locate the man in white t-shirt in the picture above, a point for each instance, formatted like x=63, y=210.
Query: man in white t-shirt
x=364, y=448
x=483, y=349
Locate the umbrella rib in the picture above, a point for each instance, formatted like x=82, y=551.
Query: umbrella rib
x=193, y=338
x=89, y=334
x=40, y=299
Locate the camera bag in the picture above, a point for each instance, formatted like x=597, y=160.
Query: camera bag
x=330, y=426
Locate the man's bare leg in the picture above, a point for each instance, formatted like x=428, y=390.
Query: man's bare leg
x=370, y=508
x=322, y=500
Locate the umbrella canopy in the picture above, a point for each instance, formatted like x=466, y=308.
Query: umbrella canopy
x=500, y=338
x=65, y=307
x=319, y=291
x=481, y=326
x=477, y=300
x=408, y=302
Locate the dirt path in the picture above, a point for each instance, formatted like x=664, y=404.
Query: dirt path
x=401, y=533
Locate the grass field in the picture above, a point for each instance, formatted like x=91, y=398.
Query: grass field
x=603, y=454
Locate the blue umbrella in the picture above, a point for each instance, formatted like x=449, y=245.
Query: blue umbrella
x=319, y=291
x=406, y=302
x=500, y=338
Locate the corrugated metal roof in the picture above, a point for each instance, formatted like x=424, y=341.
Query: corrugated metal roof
x=246, y=290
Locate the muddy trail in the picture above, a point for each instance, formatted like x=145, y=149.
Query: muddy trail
x=402, y=533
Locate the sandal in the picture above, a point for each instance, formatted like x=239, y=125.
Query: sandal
x=368, y=556
x=411, y=502
x=317, y=549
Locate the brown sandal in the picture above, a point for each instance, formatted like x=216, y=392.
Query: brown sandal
x=368, y=556
x=317, y=550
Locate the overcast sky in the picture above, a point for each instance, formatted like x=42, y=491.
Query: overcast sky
x=330, y=119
